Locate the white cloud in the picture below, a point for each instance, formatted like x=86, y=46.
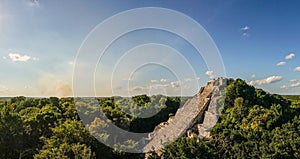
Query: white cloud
x=18, y=57
x=281, y=63
x=297, y=69
x=284, y=86
x=290, y=56
x=153, y=81
x=293, y=80
x=136, y=90
x=163, y=80
x=245, y=28
x=175, y=84
x=210, y=74
x=158, y=86
x=22, y=58
x=33, y=3
x=253, y=76
x=268, y=80
x=293, y=85
x=4, y=57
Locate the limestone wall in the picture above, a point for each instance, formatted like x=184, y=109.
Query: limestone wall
x=202, y=107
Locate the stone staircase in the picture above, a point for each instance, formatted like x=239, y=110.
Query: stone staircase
x=212, y=114
x=203, y=107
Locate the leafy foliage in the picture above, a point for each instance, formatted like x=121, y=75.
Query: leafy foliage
x=186, y=148
x=51, y=127
x=253, y=124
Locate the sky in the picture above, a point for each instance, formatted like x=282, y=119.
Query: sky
x=43, y=53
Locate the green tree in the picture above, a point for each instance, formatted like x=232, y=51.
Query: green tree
x=187, y=148
x=66, y=151
x=12, y=134
x=72, y=132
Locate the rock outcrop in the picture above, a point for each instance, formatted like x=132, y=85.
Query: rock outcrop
x=194, y=119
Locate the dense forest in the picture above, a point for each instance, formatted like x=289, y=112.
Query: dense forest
x=253, y=124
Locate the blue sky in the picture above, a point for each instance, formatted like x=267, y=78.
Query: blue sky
x=39, y=41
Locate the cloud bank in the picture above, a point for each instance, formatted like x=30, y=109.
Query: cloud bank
x=268, y=80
